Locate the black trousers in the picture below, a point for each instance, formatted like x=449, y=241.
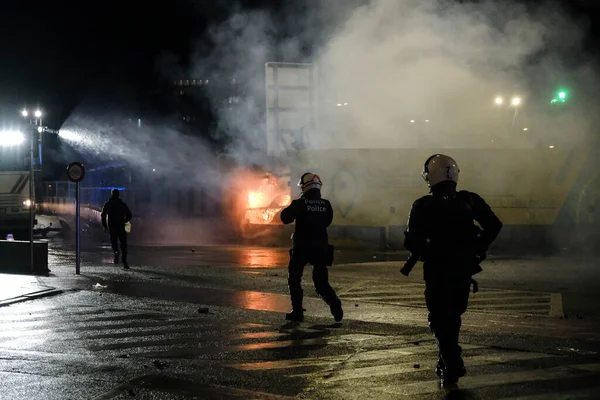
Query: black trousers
x=119, y=237
x=447, y=298
x=299, y=257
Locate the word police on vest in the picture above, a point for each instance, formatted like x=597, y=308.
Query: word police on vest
x=315, y=205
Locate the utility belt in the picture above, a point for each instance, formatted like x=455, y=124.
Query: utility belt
x=329, y=252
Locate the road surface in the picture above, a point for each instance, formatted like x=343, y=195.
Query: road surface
x=207, y=323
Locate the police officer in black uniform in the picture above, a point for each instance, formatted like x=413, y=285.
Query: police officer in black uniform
x=313, y=214
x=441, y=231
x=118, y=215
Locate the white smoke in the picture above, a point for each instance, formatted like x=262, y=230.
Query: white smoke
x=410, y=73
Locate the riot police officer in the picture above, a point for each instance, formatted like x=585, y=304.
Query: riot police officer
x=441, y=231
x=118, y=215
x=313, y=214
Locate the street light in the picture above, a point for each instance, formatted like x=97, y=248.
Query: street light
x=33, y=122
x=516, y=102
x=499, y=100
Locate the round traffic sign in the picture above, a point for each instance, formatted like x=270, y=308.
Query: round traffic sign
x=75, y=172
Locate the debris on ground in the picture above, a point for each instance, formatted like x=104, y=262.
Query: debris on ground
x=124, y=356
x=203, y=310
x=416, y=366
x=159, y=364
x=99, y=286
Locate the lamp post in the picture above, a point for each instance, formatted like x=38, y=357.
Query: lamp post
x=515, y=102
x=35, y=121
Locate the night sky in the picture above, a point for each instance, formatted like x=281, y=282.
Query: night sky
x=53, y=53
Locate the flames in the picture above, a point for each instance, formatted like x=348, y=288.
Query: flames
x=256, y=199
x=266, y=215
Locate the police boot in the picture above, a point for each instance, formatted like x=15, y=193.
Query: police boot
x=439, y=367
x=448, y=379
x=295, y=315
x=116, y=259
x=336, y=310
x=125, y=263
x=451, y=371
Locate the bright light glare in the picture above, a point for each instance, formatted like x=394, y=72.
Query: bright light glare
x=11, y=138
x=562, y=95
x=40, y=129
x=499, y=100
x=38, y=113
x=412, y=121
x=255, y=199
x=525, y=129
x=516, y=101
x=24, y=113
x=339, y=104
x=27, y=203
x=551, y=147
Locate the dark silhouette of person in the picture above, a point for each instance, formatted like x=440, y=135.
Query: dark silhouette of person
x=313, y=214
x=118, y=215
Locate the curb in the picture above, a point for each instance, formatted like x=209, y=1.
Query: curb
x=31, y=296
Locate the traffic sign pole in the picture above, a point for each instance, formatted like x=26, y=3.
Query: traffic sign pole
x=76, y=173
x=78, y=227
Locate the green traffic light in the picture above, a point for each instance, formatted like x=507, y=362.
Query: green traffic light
x=561, y=97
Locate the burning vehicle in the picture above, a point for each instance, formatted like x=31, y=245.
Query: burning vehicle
x=254, y=200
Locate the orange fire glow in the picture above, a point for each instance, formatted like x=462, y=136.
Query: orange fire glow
x=256, y=199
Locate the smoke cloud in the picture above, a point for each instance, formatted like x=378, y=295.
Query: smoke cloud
x=411, y=73
x=407, y=74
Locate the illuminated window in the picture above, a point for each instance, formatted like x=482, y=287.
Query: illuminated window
x=187, y=82
x=193, y=82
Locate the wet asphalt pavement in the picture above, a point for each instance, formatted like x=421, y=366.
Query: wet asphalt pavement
x=207, y=323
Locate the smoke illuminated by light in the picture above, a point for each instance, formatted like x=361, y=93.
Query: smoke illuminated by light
x=11, y=138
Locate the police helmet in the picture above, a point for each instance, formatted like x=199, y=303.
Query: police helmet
x=440, y=168
x=309, y=181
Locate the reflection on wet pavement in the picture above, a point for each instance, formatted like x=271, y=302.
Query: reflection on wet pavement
x=264, y=258
x=61, y=252
x=207, y=296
